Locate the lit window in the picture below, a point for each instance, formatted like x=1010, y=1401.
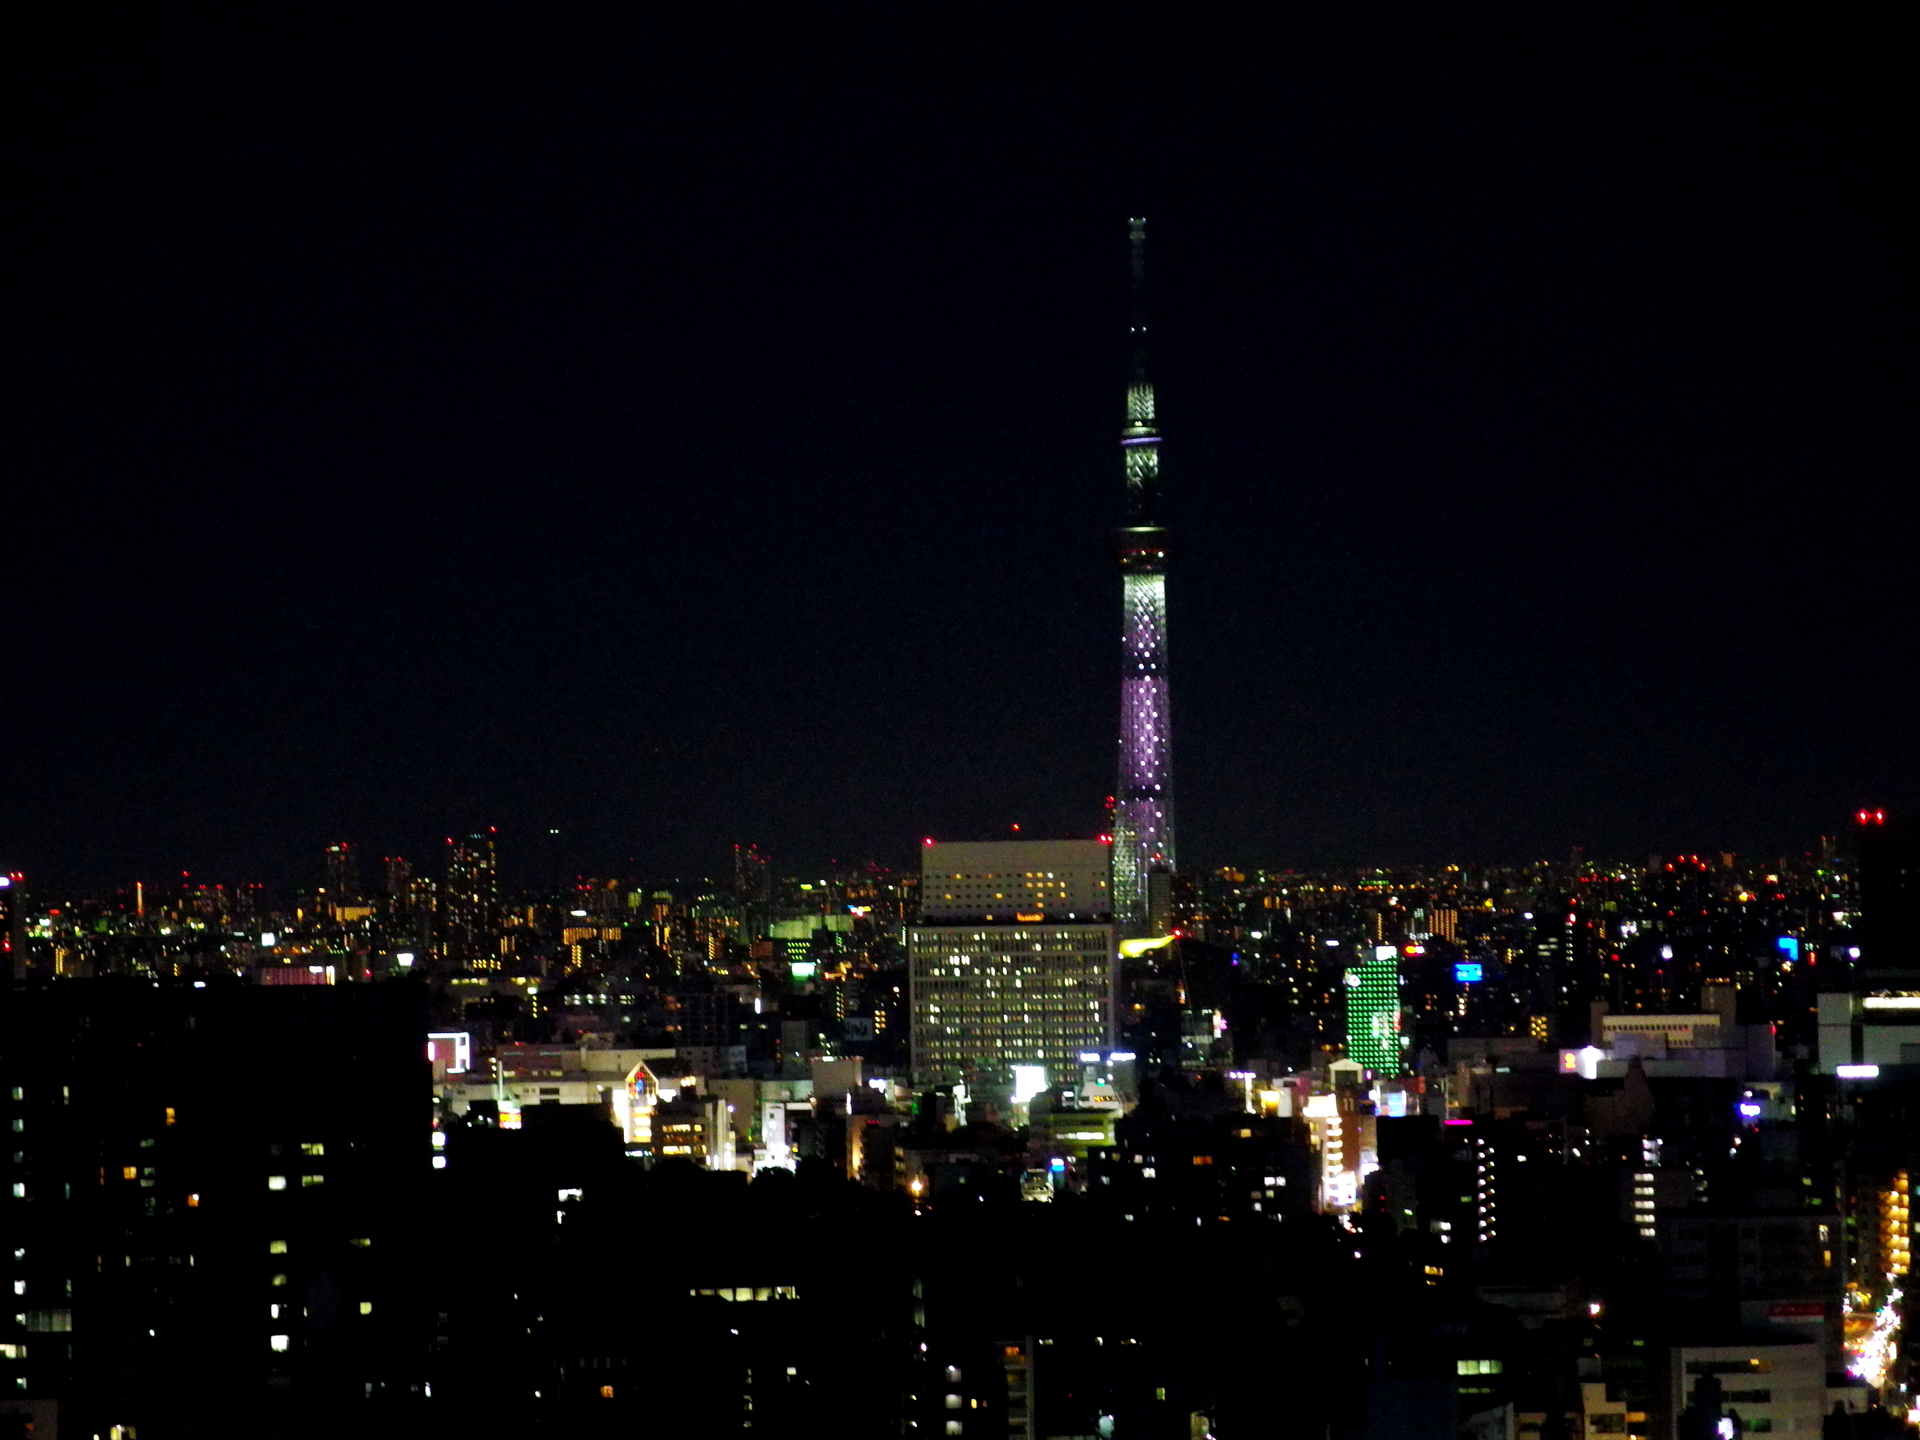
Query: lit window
x=19, y=1287
x=276, y=1247
x=277, y=1279
x=169, y=1114
x=366, y=1307
x=361, y=1243
x=281, y=1343
x=307, y=1180
x=313, y=1147
x=193, y=1202
x=953, y=1402
x=276, y=1182
x=953, y=1374
x=128, y=1172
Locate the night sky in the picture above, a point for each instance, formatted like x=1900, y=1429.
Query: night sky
x=426, y=417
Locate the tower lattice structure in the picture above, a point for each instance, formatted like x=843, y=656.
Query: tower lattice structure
x=1143, y=852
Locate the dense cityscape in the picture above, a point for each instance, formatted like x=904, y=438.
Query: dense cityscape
x=647, y=465
x=1037, y=1138
x=1564, y=1149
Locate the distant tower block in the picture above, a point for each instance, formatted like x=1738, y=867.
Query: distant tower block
x=343, y=872
x=1143, y=854
x=470, y=902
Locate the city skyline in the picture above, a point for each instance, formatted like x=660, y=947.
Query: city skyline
x=498, y=499
x=1531, y=495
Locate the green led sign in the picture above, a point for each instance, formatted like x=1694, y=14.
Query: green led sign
x=1373, y=1012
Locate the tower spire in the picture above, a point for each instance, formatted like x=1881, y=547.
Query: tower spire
x=1143, y=804
x=1137, y=233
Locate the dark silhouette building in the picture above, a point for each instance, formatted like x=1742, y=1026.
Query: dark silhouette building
x=210, y=1201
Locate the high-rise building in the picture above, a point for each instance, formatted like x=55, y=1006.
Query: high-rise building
x=752, y=880
x=1889, y=849
x=343, y=872
x=1017, y=964
x=398, y=874
x=470, y=899
x=1143, y=854
x=13, y=949
x=1373, y=1011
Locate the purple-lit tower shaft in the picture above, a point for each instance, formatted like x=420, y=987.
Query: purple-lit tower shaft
x=1143, y=804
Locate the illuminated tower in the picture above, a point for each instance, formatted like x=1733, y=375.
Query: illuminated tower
x=1143, y=804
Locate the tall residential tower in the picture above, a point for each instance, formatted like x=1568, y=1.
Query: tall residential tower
x=1143, y=804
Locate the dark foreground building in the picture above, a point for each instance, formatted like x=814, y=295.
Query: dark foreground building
x=209, y=1206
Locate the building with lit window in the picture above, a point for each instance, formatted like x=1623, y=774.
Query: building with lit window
x=695, y=1128
x=1021, y=967
x=343, y=872
x=13, y=929
x=470, y=902
x=1373, y=1011
x=1001, y=880
x=1896, y=1234
x=209, y=1201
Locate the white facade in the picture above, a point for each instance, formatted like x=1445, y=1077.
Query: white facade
x=1869, y=1030
x=1008, y=880
x=1677, y=1031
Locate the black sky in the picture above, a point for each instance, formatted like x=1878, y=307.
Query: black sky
x=420, y=417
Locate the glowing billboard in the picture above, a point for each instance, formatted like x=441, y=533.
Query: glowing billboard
x=1373, y=1012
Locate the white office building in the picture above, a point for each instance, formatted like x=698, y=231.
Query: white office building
x=1016, y=962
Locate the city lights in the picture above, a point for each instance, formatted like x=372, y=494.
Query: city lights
x=516, y=529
